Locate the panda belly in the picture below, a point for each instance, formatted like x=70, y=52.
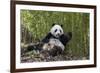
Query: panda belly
x=52, y=44
x=53, y=48
x=56, y=42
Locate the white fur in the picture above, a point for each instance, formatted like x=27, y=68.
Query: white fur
x=48, y=46
x=56, y=42
x=58, y=27
x=53, y=42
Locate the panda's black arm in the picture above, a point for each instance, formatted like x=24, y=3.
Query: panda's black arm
x=46, y=38
x=65, y=38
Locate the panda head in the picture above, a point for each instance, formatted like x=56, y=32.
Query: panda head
x=56, y=30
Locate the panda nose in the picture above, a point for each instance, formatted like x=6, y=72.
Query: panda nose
x=58, y=34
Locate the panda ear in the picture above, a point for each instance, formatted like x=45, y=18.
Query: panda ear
x=53, y=24
x=61, y=25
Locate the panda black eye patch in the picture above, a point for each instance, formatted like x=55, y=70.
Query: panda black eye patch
x=56, y=30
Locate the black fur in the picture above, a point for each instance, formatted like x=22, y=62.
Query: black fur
x=47, y=38
x=65, y=38
x=57, y=23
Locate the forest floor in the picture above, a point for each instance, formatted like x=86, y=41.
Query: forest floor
x=33, y=56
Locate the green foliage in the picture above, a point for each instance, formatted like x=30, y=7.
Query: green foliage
x=38, y=23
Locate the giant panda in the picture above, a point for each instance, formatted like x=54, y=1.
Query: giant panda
x=56, y=40
x=53, y=43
